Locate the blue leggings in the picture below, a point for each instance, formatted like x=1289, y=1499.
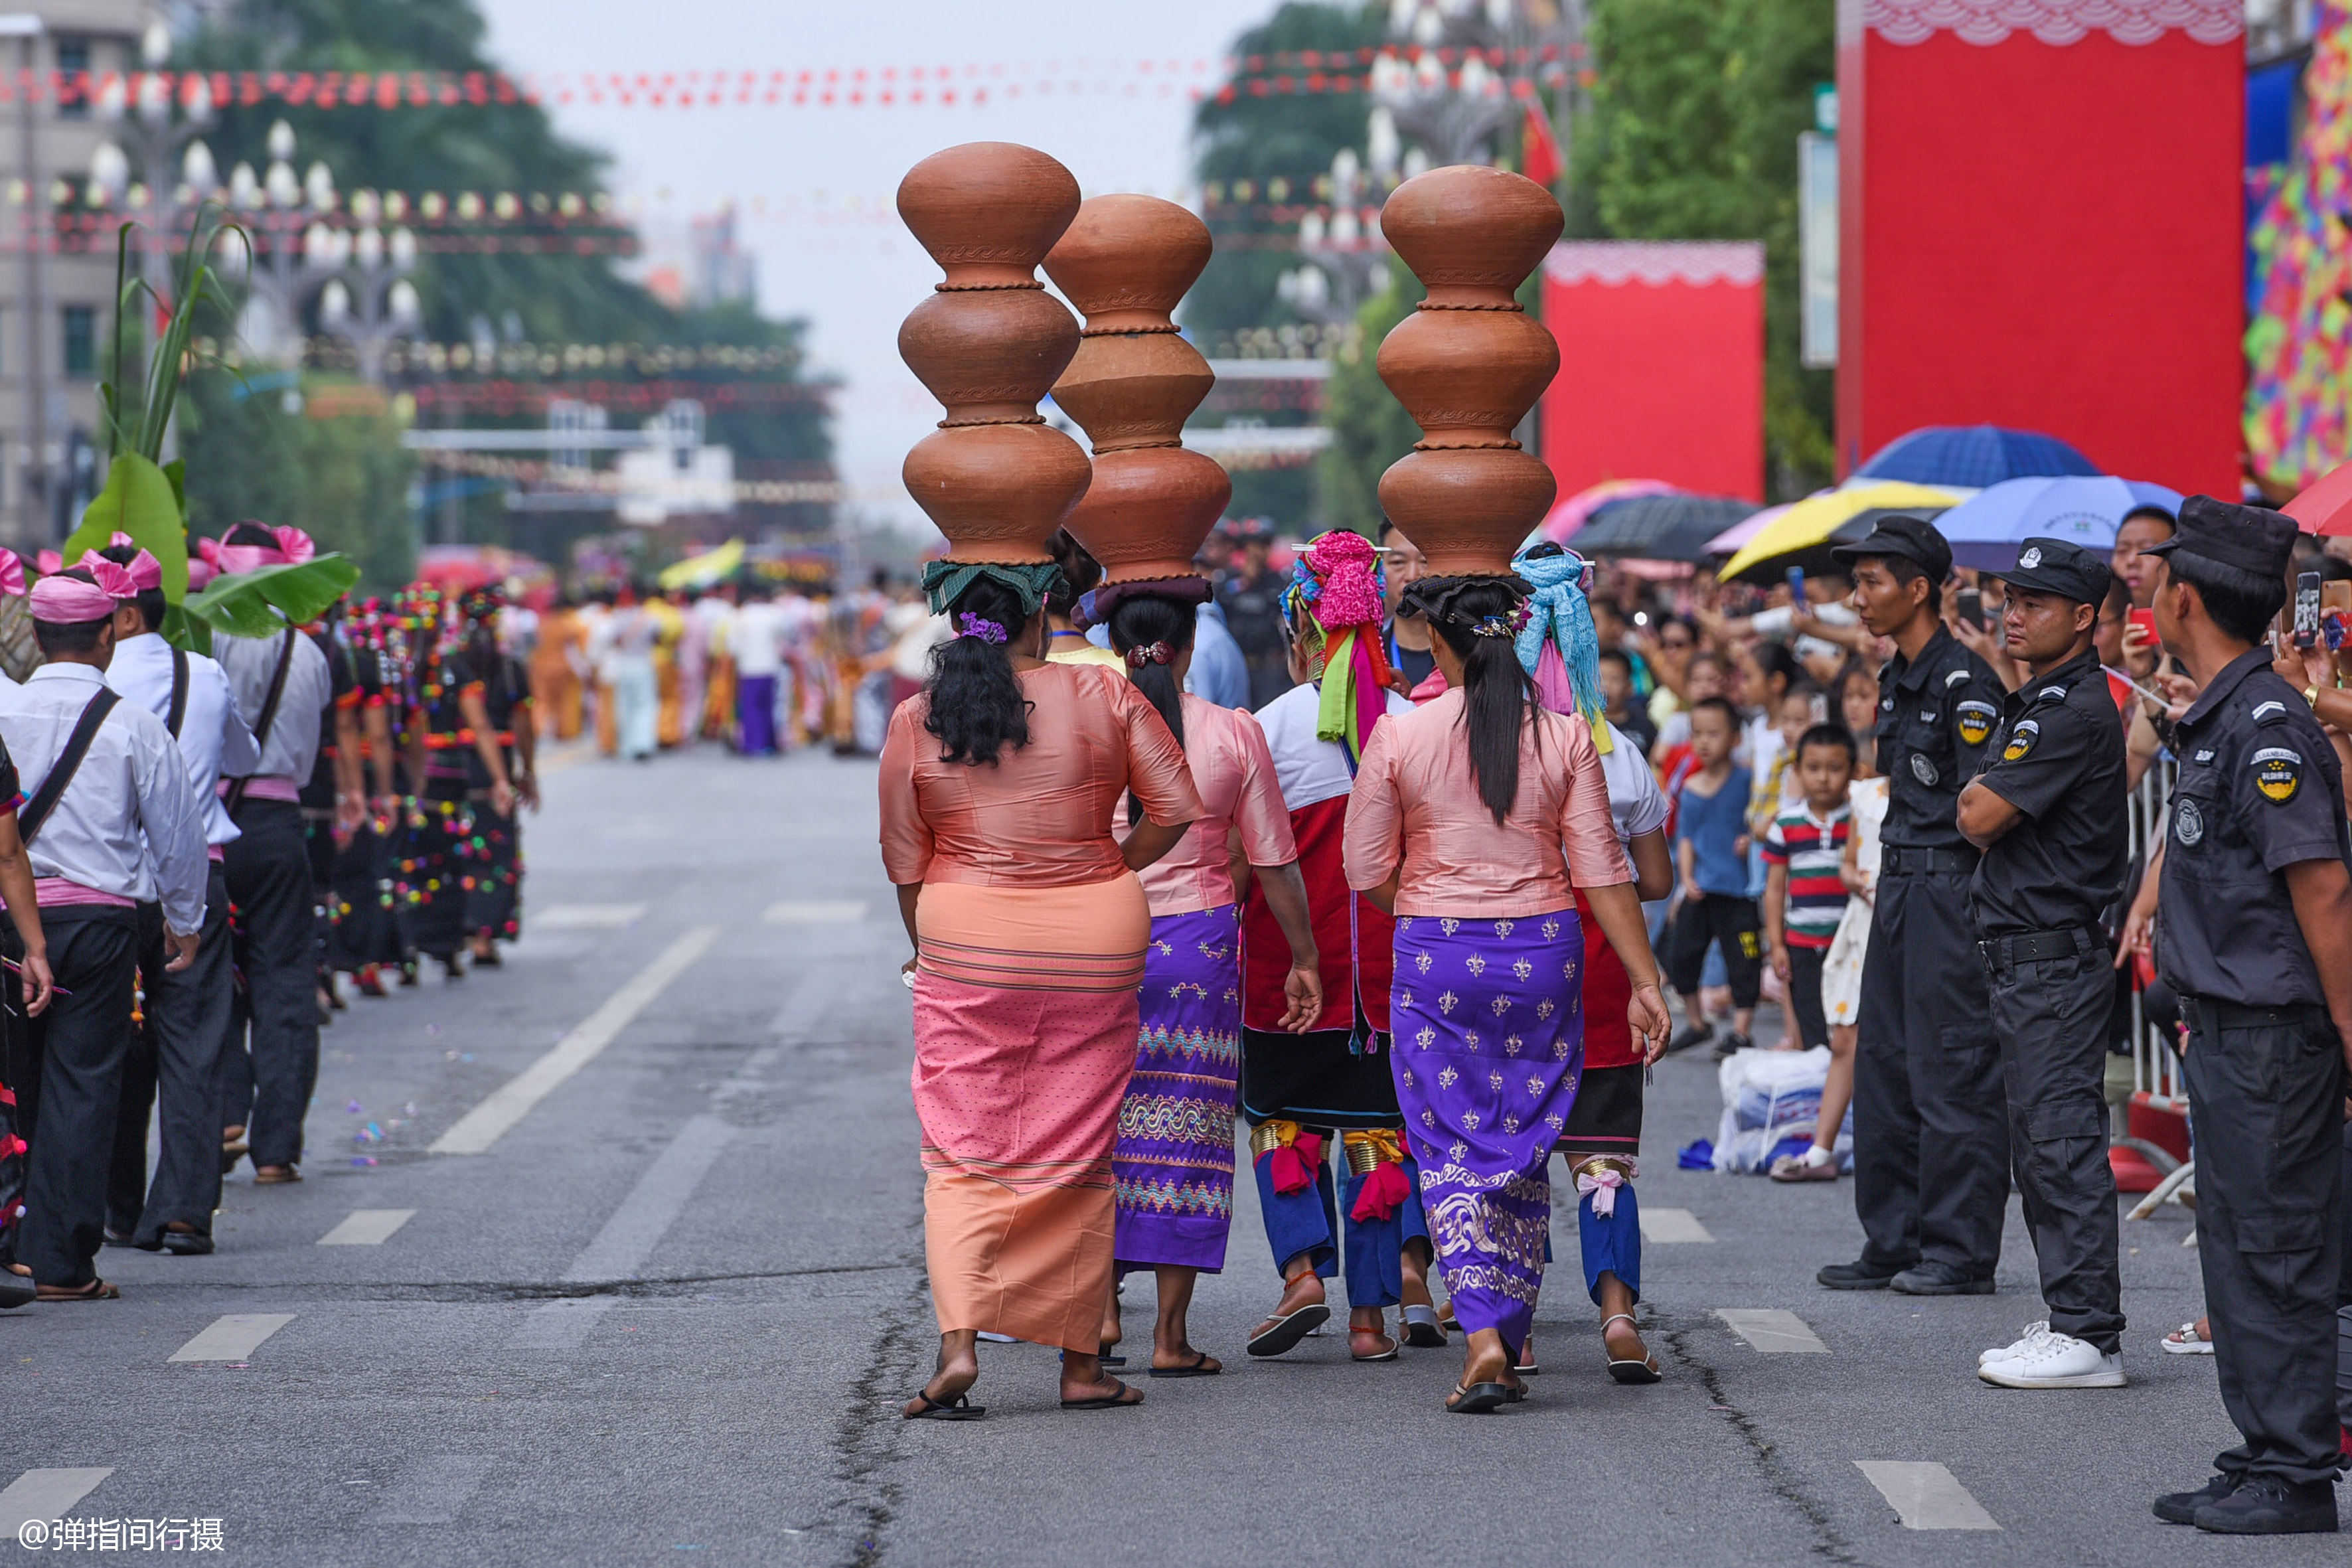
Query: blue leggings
x=1310, y=1222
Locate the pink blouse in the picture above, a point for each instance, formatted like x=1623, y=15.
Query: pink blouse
x=1415, y=803
x=1042, y=817
x=1234, y=773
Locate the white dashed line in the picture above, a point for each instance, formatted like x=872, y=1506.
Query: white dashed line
x=234, y=1337
x=1771, y=1328
x=560, y=1325
x=1925, y=1496
x=367, y=1227
x=1665, y=1227
x=431, y=1488
x=586, y=917
x=45, y=1494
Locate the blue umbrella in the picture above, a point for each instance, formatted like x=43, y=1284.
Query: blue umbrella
x=1972, y=457
x=1985, y=529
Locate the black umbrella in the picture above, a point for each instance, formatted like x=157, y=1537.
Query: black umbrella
x=1659, y=528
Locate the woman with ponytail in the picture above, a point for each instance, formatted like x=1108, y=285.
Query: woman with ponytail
x=1475, y=818
x=1175, y=1158
x=998, y=787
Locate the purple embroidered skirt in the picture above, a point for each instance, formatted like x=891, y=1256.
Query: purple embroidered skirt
x=1175, y=1156
x=1490, y=1031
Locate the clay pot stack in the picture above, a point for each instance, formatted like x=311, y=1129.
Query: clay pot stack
x=1126, y=261
x=988, y=344
x=1468, y=364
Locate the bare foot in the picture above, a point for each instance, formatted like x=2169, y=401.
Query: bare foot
x=1301, y=1290
x=958, y=1370
x=1084, y=1379
x=1623, y=1341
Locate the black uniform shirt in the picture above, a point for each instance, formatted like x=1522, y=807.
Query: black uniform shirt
x=1936, y=714
x=2058, y=757
x=2260, y=790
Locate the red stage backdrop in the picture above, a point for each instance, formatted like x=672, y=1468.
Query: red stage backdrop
x=2042, y=225
x=1660, y=364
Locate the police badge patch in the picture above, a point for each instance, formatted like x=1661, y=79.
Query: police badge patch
x=1975, y=722
x=2020, y=741
x=2278, y=773
x=1923, y=768
x=2188, y=822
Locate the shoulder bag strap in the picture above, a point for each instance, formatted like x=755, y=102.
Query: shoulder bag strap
x=236, y=796
x=53, y=788
x=179, y=712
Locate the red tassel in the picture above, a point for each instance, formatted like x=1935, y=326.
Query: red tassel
x=1294, y=1164
x=1384, y=1190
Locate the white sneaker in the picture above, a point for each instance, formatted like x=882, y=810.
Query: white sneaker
x=2057, y=1361
x=2034, y=1334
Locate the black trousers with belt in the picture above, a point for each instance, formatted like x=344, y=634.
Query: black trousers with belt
x=269, y=1062
x=2051, y=994
x=172, y=1069
x=1930, y=1133
x=2266, y=1098
x=66, y=1066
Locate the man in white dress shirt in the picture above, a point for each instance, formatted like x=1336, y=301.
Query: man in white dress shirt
x=173, y=1065
x=122, y=829
x=283, y=686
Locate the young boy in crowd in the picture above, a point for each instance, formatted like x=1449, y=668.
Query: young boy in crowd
x=1804, y=894
x=1619, y=703
x=1711, y=852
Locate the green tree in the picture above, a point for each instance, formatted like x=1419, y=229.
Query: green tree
x=1691, y=134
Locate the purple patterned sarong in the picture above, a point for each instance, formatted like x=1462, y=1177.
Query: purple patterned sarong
x=1489, y=1044
x=1175, y=1156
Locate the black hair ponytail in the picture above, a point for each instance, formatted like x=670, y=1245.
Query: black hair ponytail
x=1497, y=698
x=976, y=706
x=1160, y=628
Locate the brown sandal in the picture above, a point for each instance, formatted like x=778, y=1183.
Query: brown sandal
x=96, y=1290
x=275, y=1175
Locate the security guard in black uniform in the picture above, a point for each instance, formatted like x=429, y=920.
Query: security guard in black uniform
x=2049, y=813
x=1930, y=1137
x=2253, y=928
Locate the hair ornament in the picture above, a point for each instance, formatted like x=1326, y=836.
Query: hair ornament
x=987, y=631
x=1142, y=654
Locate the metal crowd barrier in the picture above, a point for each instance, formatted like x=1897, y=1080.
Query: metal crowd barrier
x=2156, y=1081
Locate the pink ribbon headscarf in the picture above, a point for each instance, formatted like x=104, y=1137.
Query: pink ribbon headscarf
x=12, y=574
x=293, y=548
x=65, y=601
x=145, y=570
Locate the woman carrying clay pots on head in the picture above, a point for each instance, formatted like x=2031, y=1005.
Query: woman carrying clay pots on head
x=1175, y=1159
x=1477, y=819
x=998, y=786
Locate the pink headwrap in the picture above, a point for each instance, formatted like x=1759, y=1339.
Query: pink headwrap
x=65, y=601
x=50, y=563
x=12, y=574
x=293, y=548
x=200, y=571
x=144, y=572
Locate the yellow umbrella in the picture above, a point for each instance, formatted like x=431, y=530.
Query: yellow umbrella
x=712, y=566
x=1802, y=536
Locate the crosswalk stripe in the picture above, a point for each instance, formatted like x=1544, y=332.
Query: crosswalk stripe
x=560, y=1325
x=1773, y=1328
x=45, y=1494
x=367, y=1227
x=233, y=1337
x=653, y=1205
x=1664, y=1226
x=586, y=917
x=483, y=1125
x=1925, y=1495
x=816, y=912
x=431, y=1488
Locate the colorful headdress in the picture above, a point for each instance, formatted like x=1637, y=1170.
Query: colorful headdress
x=293, y=547
x=1335, y=607
x=1559, y=646
x=145, y=572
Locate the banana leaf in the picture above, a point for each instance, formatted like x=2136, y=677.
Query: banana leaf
x=262, y=602
x=140, y=500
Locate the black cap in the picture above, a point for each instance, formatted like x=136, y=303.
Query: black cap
x=2250, y=538
x=2054, y=566
x=1909, y=537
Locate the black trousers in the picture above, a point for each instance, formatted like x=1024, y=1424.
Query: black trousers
x=1930, y=1133
x=66, y=1066
x=2266, y=1096
x=1808, y=1020
x=2051, y=1014
x=1733, y=922
x=172, y=1069
x=270, y=1059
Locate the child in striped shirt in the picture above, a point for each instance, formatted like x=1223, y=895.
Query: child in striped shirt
x=1804, y=894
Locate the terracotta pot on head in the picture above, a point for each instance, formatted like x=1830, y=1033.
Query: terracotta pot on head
x=988, y=344
x=1467, y=365
x=1126, y=261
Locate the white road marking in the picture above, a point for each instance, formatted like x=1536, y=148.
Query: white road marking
x=586, y=917
x=798, y=1017
x=45, y=1494
x=431, y=1488
x=653, y=1205
x=367, y=1227
x=818, y=912
x=234, y=1337
x=514, y=1099
x=1664, y=1226
x=1773, y=1328
x=560, y=1325
x=1925, y=1495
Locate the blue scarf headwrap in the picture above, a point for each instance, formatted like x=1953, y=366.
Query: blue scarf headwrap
x=1560, y=614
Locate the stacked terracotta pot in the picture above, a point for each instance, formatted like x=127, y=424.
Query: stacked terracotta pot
x=988, y=344
x=1468, y=364
x=1126, y=262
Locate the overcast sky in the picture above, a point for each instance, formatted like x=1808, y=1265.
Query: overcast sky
x=855, y=278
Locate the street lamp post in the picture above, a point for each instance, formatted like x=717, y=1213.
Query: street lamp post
x=167, y=168
x=1343, y=260
x=379, y=306
x=298, y=253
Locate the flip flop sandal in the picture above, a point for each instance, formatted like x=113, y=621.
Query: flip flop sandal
x=2186, y=1340
x=276, y=1176
x=1518, y=1395
x=1421, y=1330
x=96, y=1290
x=1631, y=1372
x=1119, y=1401
x=1283, y=1333
x=15, y=1290
x=960, y=1408
x=1388, y=1355
x=1202, y=1365
x=1478, y=1398
x=1524, y=1363
x=1446, y=1320
x=1105, y=1357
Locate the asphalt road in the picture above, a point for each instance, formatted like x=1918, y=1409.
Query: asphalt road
x=666, y=1310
